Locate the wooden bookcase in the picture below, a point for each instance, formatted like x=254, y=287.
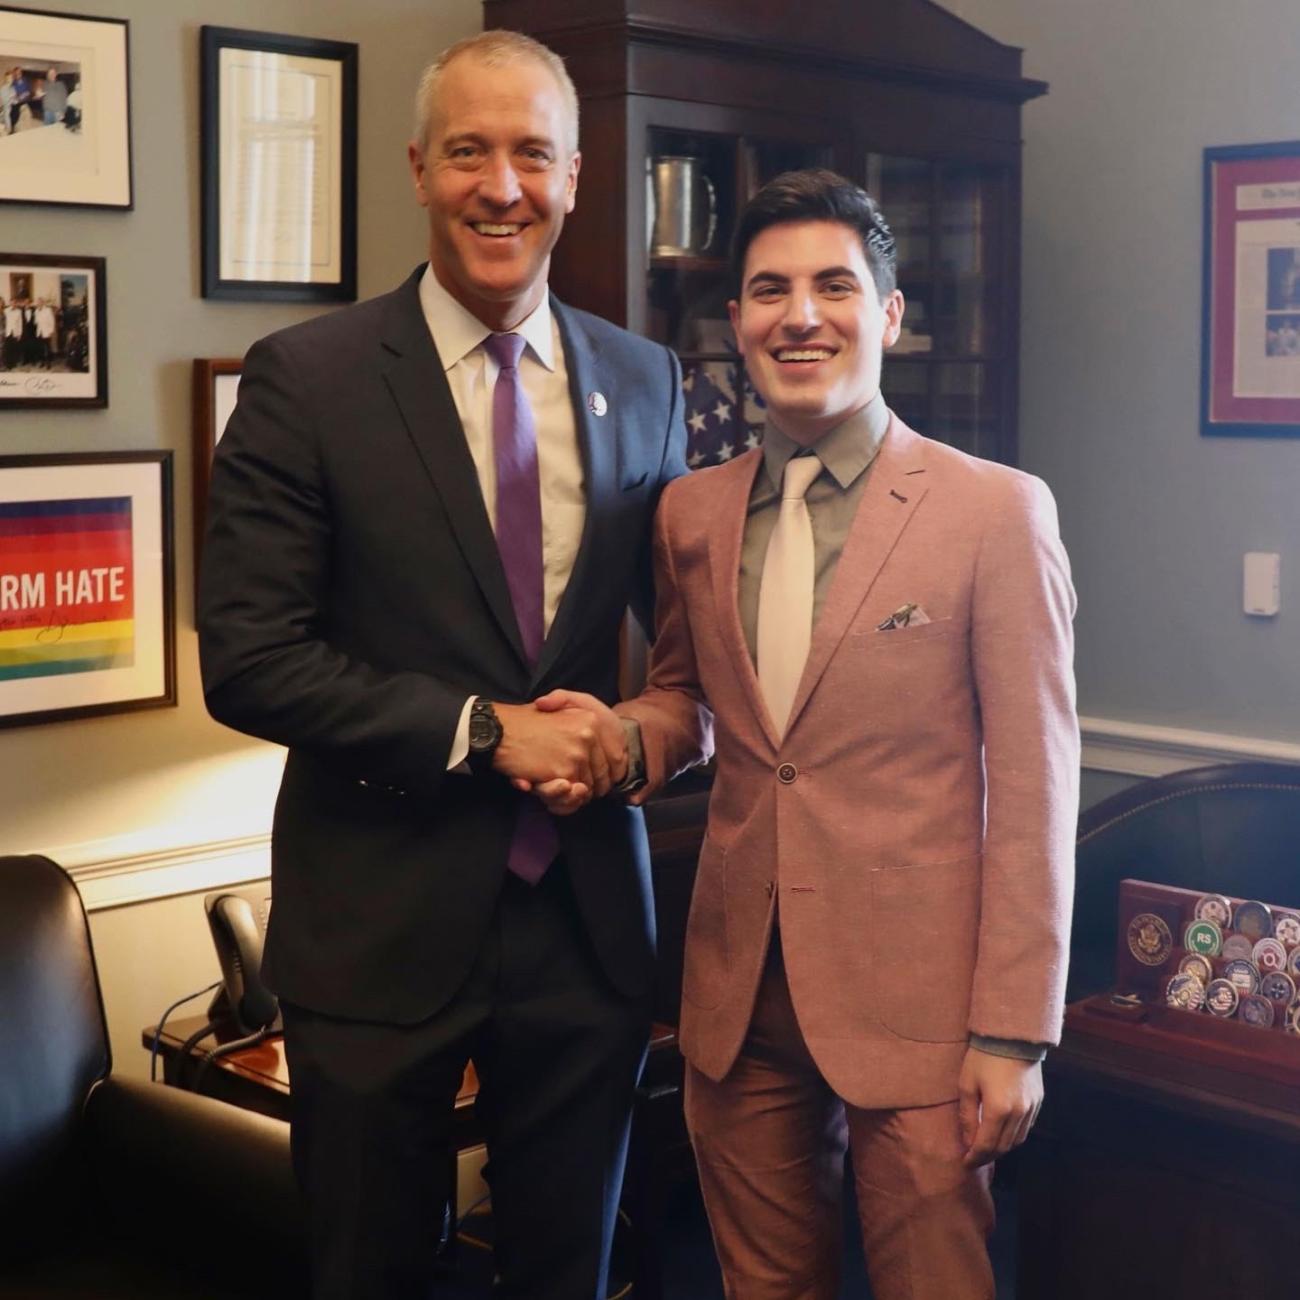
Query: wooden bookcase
x=900, y=95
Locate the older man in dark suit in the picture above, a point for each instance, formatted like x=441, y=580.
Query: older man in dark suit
x=427, y=511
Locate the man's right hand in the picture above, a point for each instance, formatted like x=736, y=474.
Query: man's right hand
x=561, y=796
x=538, y=747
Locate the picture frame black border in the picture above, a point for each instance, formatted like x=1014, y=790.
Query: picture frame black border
x=211, y=41
x=98, y=266
x=168, y=698
x=125, y=24
x=1229, y=428
x=206, y=372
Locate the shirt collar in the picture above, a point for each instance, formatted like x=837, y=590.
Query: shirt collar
x=845, y=451
x=457, y=331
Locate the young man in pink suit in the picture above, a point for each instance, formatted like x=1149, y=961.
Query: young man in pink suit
x=876, y=950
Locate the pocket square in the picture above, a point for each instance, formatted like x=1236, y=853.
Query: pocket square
x=909, y=615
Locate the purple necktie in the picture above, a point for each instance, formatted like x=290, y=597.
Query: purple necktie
x=519, y=540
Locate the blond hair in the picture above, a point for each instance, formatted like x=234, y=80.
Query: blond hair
x=495, y=49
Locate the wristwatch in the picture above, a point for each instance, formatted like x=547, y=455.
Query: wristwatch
x=485, y=734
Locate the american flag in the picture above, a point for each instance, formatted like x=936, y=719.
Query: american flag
x=724, y=415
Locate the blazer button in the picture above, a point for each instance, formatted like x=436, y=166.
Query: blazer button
x=786, y=773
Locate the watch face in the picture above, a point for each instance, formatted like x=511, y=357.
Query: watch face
x=484, y=729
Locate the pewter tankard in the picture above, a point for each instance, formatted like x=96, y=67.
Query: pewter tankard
x=681, y=207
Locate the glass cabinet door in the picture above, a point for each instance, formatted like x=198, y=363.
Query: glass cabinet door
x=947, y=373
x=696, y=185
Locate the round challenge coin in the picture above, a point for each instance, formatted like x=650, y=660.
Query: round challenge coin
x=1195, y=964
x=1293, y=964
x=1286, y=926
x=1293, y=1017
x=1257, y=1011
x=1269, y=954
x=1254, y=920
x=1221, y=998
x=1216, y=908
x=1277, y=986
x=1149, y=939
x=1204, y=937
x=1185, y=992
x=1237, y=945
x=1243, y=974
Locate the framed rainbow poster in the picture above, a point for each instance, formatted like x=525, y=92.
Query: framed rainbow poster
x=87, y=606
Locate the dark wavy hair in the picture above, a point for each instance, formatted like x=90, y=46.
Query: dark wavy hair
x=817, y=194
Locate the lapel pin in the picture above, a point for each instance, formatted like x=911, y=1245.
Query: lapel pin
x=597, y=404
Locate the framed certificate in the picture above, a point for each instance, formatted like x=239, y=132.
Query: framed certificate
x=1250, y=380
x=87, y=622
x=278, y=116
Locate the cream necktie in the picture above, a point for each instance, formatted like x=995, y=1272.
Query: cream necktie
x=785, y=593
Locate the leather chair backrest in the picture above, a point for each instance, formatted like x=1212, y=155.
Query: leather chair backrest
x=1231, y=829
x=53, y=1040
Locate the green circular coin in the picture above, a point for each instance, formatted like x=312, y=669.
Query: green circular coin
x=1204, y=937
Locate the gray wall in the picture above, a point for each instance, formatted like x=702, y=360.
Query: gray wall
x=1156, y=517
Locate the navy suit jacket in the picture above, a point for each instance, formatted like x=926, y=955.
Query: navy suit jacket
x=352, y=597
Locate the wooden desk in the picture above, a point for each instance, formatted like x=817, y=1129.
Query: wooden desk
x=1150, y=1175
x=257, y=1078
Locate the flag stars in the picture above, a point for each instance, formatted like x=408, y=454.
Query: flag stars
x=697, y=422
x=726, y=451
x=722, y=412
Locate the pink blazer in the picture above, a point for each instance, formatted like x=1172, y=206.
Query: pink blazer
x=915, y=826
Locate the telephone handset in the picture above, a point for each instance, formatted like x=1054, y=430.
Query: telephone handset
x=237, y=919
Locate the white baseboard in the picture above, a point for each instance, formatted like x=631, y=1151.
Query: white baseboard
x=1139, y=749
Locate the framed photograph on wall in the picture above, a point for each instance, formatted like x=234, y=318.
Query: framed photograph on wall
x=65, y=90
x=1250, y=367
x=87, y=608
x=216, y=385
x=53, y=339
x=278, y=116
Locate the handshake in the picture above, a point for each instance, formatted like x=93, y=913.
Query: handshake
x=565, y=747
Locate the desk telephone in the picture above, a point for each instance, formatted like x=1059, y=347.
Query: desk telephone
x=237, y=919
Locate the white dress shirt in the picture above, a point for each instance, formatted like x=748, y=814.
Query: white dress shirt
x=472, y=375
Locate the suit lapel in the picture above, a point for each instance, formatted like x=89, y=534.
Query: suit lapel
x=599, y=447
x=730, y=509
x=416, y=378
x=894, y=489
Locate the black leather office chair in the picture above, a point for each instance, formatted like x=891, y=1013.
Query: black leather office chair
x=111, y=1188
x=1231, y=829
